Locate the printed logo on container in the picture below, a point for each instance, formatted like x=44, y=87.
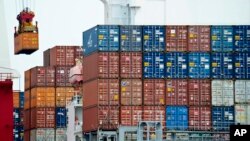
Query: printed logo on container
x=239, y=132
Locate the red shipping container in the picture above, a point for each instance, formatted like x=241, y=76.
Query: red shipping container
x=176, y=38
x=199, y=38
x=130, y=115
x=26, y=119
x=131, y=92
x=78, y=52
x=101, y=92
x=42, y=76
x=27, y=135
x=199, y=91
x=101, y=65
x=100, y=117
x=42, y=118
x=177, y=92
x=200, y=118
x=131, y=64
x=154, y=113
x=62, y=55
x=62, y=76
x=27, y=80
x=154, y=92
x=27, y=99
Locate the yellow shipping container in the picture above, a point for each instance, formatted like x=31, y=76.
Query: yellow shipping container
x=43, y=97
x=26, y=43
x=64, y=96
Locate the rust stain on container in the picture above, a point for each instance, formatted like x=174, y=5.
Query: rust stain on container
x=100, y=117
x=131, y=92
x=176, y=38
x=101, y=92
x=200, y=118
x=199, y=38
x=199, y=91
x=177, y=92
x=131, y=65
x=101, y=65
x=154, y=92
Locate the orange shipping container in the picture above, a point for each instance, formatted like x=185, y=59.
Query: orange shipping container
x=27, y=80
x=43, y=97
x=26, y=43
x=63, y=96
x=26, y=99
x=16, y=99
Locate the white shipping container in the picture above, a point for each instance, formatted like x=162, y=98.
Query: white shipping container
x=242, y=114
x=242, y=91
x=222, y=93
x=43, y=134
x=61, y=134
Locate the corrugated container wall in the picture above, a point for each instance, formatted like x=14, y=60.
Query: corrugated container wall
x=130, y=115
x=27, y=99
x=26, y=43
x=177, y=92
x=61, y=117
x=101, y=65
x=26, y=119
x=100, y=117
x=242, y=38
x=154, y=38
x=42, y=76
x=242, y=91
x=42, y=118
x=176, y=38
x=154, y=92
x=46, y=58
x=222, y=38
x=130, y=38
x=64, y=96
x=200, y=118
x=61, y=134
x=222, y=92
x=131, y=92
x=199, y=91
x=131, y=64
x=176, y=65
x=27, y=135
x=16, y=99
x=101, y=92
x=101, y=38
x=242, y=65
x=199, y=65
x=153, y=65
x=27, y=80
x=177, y=117
x=43, y=97
x=41, y=134
x=222, y=65
x=62, y=76
x=242, y=114
x=154, y=113
x=222, y=117
x=199, y=38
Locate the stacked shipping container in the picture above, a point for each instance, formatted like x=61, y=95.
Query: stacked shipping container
x=187, y=56
x=18, y=115
x=47, y=91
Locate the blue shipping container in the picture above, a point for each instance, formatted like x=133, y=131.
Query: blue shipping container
x=153, y=63
x=242, y=38
x=18, y=133
x=222, y=65
x=199, y=65
x=61, y=117
x=222, y=38
x=176, y=65
x=177, y=117
x=242, y=65
x=130, y=38
x=16, y=116
x=21, y=98
x=101, y=38
x=222, y=117
x=154, y=38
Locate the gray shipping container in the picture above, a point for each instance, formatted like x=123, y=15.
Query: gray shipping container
x=242, y=114
x=242, y=91
x=222, y=93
